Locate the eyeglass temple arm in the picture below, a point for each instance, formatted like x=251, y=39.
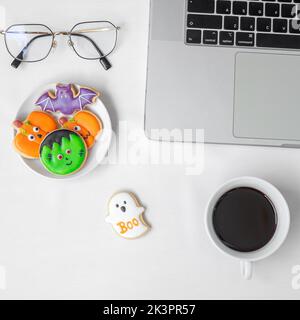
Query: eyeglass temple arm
x=103, y=60
x=19, y=59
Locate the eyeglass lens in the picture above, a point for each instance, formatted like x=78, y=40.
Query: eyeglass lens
x=29, y=42
x=93, y=40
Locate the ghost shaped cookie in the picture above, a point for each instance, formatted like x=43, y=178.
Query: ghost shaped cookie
x=125, y=214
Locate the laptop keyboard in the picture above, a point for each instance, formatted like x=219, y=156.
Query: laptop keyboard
x=260, y=24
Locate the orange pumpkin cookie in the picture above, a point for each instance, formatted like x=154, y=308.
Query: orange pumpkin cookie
x=86, y=124
x=31, y=133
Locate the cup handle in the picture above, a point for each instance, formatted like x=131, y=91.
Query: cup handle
x=246, y=269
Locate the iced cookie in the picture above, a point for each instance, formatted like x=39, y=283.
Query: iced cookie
x=126, y=215
x=63, y=152
x=86, y=124
x=67, y=99
x=31, y=132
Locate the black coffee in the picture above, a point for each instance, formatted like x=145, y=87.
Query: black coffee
x=244, y=219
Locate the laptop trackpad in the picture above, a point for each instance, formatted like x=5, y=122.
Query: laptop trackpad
x=267, y=96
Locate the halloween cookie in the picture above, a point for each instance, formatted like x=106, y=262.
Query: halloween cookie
x=63, y=152
x=31, y=132
x=67, y=99
x=86, y=124
x=125, y=214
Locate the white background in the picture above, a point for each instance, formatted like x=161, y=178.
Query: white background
x=54, y=242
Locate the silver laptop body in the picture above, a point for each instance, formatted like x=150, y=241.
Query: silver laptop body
x=240, y=85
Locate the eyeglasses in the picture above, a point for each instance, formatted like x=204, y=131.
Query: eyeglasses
x=91, y=40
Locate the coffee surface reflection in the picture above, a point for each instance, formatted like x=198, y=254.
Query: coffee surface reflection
x=244, y=219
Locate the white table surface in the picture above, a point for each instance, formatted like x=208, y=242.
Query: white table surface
x=54, y=242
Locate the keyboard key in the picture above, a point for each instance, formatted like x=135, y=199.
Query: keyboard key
x=245, y=39
x=202, y=6
x=231, y=23
x=210, y=37
x=226, y=38
x=247, y=24
x=204, y=21
x=239, y=7
x=272, y=10
x=256, y=9
x=294, y=26
x=284, y=0
x=193, y=36
x=264, y=24
x=224, y=7
x=288, y=10
x=280, y=25
x=280, y=41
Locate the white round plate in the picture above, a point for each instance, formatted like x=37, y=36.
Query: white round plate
x=95, y=155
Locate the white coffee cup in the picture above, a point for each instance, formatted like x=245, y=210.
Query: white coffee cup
x=283, y=222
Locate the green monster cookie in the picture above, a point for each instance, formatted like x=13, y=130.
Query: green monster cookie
x=63, y=152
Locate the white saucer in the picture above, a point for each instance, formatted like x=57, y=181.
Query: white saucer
x=96, y=154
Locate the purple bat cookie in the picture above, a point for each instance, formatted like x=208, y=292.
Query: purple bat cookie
x=66, y=100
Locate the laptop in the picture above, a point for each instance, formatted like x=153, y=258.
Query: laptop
x=229, y=68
